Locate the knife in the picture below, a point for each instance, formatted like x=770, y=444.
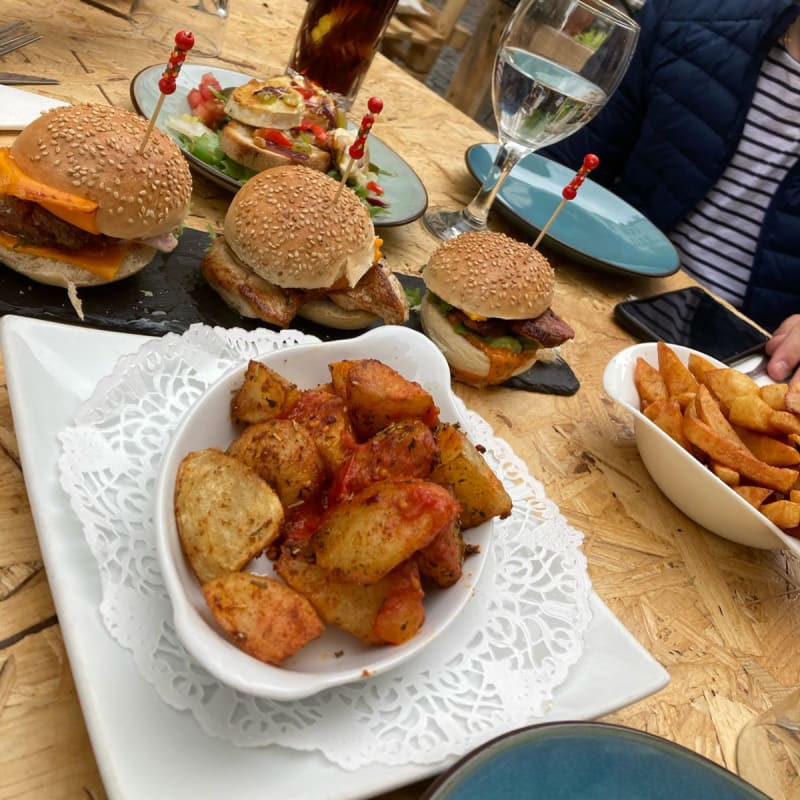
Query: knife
x=12, y=78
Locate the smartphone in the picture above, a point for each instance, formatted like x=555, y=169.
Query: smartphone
x=693, y=318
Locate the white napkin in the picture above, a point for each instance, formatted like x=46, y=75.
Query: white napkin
x=18, y=108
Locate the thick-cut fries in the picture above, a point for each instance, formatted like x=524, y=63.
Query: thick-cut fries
x=747, y=435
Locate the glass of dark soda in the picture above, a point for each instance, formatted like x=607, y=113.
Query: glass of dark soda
x=337, y=41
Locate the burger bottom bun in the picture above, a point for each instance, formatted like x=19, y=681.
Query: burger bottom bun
x=468, y=363
x=324, y=312
x=59, y=273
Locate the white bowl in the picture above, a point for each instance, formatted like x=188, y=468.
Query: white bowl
x=691, y=486
x=336, y=657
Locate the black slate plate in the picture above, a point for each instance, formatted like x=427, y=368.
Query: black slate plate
x=170, y=294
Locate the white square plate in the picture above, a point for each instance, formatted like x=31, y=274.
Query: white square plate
x=144, y=748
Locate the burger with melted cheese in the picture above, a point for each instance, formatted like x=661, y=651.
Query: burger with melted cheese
x=488, y=306
x=293, y=244
x=80, y=206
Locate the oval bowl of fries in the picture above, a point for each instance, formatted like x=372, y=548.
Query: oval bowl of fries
x=321, y=514
x=722, y=448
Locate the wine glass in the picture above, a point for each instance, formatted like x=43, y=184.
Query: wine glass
x=557, y=63
x=768, y=749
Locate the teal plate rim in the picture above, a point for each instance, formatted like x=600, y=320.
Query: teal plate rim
x=590, y=230
x=405, y=191
x=449, y=784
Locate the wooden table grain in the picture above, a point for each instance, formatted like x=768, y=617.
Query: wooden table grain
x=724, y=620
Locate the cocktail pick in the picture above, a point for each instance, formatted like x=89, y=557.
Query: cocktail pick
x=356, y=150
x=184, y=42
x=590, y=162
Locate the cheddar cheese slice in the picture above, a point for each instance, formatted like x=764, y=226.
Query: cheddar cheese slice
x=78, y=211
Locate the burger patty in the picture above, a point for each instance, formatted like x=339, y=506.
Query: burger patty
x=548, y=328
x=35, y=225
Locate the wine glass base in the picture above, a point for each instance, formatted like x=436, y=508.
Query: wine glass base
x=448, y=224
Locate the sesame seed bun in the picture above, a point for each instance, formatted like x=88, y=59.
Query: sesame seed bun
x=490, y=274
x=486, y=275
x=293, y=227
x=92, y=151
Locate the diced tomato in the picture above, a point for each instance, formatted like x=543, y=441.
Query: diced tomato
x=194, y=98
x=375, y=187
x=205, y=103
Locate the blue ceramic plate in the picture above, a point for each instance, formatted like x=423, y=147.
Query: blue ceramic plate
x=587, y=761
x=597, y=228
x=404, y=190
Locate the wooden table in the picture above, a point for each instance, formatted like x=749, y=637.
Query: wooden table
x=723, y=619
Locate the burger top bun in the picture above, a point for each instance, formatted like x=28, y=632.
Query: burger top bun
x=490, y=274
x=92, y=151
x=289, y=226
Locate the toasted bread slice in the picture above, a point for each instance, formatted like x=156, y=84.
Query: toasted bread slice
x=236, y=141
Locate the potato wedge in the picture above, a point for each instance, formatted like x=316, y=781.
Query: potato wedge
x=366, y=537
x=726, y=384
x=730, y=455
x=769, y=449
x=725, y=474
x=356, y=608
x=774, y=395
x=284, y=454
x=263, y=395
x=666, y=413
x=649, y=383
x=698, y=366
x=225, y=513
x=755, y=495
x=783, y=513
x=263, y=617
x=678, y=379
x=751, y=412
x=462, y=467
x=708, y=410
x=378, y=395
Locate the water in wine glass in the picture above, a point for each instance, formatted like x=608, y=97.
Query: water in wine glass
x=557, y=63
x=540, y=102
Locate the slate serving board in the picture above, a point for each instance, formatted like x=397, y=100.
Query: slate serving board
x=170, y=295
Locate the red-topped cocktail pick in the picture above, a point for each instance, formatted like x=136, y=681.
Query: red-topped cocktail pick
x=356, y=150
x=184, y=42
x=590, y=162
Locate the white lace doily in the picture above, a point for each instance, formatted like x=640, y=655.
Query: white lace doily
x=494, y=669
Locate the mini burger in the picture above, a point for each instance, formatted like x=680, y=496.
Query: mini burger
x=488, y=306
x=293, y=244
x=80, y=206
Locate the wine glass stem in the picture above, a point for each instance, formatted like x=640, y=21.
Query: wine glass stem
x=478, y=210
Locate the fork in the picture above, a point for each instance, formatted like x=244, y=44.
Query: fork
x=16, y=35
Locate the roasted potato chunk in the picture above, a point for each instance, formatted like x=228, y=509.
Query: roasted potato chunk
x=263, y=395
x=441, y=561
x=267, y=619
x=366, y=537
x=226, y=514
x=387, y=612
x=324, y=415
x=401, y=451
x=284, y=454
x=476, y=487
x=378, y=395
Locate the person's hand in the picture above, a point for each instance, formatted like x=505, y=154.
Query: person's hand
x=784, y=351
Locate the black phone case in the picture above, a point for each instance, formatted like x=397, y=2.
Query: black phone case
x=730, y=339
